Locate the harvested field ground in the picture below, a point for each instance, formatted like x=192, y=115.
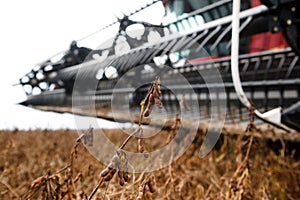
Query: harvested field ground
x=30, y=164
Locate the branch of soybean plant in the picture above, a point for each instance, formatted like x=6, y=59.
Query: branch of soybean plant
x=152, y=96
x=119, y=162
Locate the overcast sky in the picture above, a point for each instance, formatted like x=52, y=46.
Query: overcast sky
x=33, y=30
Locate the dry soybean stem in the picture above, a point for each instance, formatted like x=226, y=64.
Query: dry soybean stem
x=129, y=137
x=249, y=148
x=10, y=189
x=95, y=189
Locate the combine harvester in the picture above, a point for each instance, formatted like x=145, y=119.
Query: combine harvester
x=253, y=44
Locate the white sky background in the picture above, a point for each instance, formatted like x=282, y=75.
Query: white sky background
x=33, y=30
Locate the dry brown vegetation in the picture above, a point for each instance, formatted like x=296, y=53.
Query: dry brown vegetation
x=27, y=159
x=243, y=165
